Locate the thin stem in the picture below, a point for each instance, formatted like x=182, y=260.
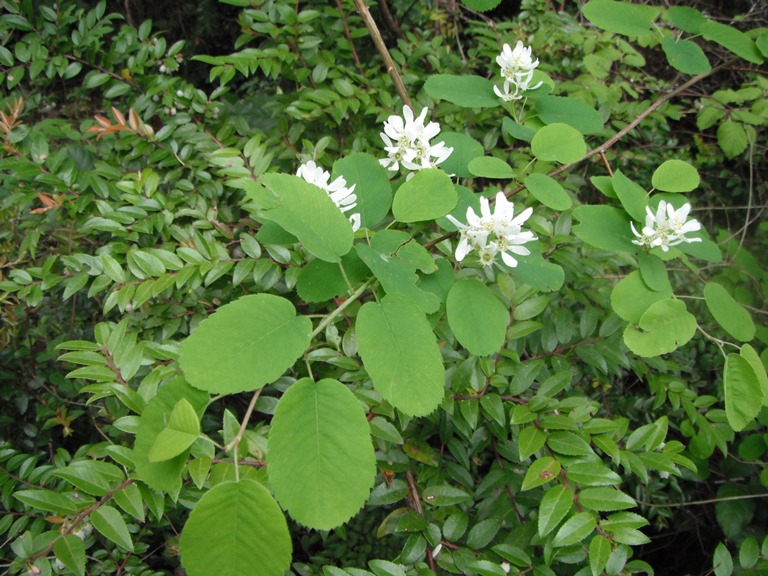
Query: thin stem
x=370, y=23
x=332, y=316
x=703, y=502
x=239, y=436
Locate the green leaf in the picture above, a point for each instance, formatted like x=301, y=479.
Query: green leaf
x=465, y=91
x=750, y=355
x=722, y=561
x=321, y=462
x=592, y=474
x=490, y=167
x=732, y=39
x=555, y=505
x=675, y=176
x=381, y=428
x=236, y=528
x=444, y=495
x=540, y=472
x=48, y=501
x=687, y=19
x=477, y=317
x=599, y=554
x=632, y=196
x=620, y=17
x=465, y=149
x=320, y=280
x=91, y=476
x=732, y=138
x=604, y=227
x=664, y=326
x=558, y=143
x=539, y=273
x=531, y=439
x=109, y=522
x=654, y=272
x=163, y=476
x=731, y=315
x=743, y=393
x=548, y=191
x=604, y=499
x=182, y=430
x=578, y=527
x=129, y=499
x=245, y=344
x=428, y=195
x=395, y=259
x=571, y=111
x=372, y=187
x=569, y=444
x=685, y=56
x=400, y=353
x=749, y=552
x=482, y=5
x=630, y=298
x=70, y=551
x=305, y=211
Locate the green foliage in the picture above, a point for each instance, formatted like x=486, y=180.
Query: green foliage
x=196, y=341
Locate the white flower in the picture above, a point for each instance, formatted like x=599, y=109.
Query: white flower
x=502, y=224
x=337, y=190
x=407, y=142
x=506, y=567
x=517, y=68
x=667, y=227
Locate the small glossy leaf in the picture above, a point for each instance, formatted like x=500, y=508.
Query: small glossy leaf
x=70, y=551
x=490, y=167
x=568, y=443
x=321, y=461
x=444, y=495
x=592, y=474
x=578, y=527
x=555, y=505
x=109, y=522
x=540, y=472
x=604, y=499
x=722, y=561
x=599, y=553
x=236, y=528
x=531, y=439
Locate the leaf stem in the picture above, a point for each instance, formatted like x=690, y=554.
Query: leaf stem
x=332, y=316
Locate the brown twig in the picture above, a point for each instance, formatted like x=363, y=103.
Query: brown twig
x=370, y=23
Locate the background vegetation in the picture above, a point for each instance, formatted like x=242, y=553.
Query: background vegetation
x=121, y=230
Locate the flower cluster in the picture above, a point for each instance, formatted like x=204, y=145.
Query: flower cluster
x=667, y=227
x=407, y=141
x=490, y=234
x=517, y=68
x=337, y=190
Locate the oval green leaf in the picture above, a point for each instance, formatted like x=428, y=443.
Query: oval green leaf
x=559, y=143
x=490, y=167
x=578, y=527
x=465, y=149
x=182, y=430
x=236, y=528
x=732, y=39
x=743, y=394
x=555, y=505
x=664, y=327
x=428, y=195
x=620, y=17
x=110, y=524
x=400, y=352
x=477, y=317
x=245, y=345
x=305, y=211
x=548, y=191
x=604, y=227
x=372, y=187
x=675, y=176
x=632, y=196
x=631, y=297
x=321, y=461
x=571, y=111
x=540, y=472
x=466, y=91
x=685, y=55
x=731, y=315
x=605, y=499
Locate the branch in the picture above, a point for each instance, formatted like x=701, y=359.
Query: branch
x=370, y=23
